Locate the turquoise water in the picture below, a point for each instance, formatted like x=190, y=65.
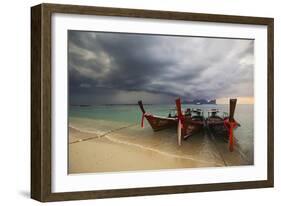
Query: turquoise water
x=244, y=114
x=132, y=113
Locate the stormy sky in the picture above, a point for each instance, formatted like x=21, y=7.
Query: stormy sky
x=118, y=68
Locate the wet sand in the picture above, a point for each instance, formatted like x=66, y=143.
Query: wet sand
x=103, y=146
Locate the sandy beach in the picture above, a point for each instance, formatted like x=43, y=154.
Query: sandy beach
x=104, y=146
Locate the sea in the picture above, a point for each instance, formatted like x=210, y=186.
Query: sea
x=244, y=115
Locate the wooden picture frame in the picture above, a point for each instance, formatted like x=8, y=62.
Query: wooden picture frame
x=41, y=171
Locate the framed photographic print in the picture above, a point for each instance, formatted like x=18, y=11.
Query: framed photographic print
x=130, y=102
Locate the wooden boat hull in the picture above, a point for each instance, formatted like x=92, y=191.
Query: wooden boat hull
x=192, y=127
x=217, y=127
x=224, y=127
x=159, y=123
x=187, y=125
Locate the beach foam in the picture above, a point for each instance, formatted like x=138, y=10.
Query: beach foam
x=98, y=145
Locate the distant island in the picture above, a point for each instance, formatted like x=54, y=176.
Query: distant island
x=200, y=101
x=195, y=102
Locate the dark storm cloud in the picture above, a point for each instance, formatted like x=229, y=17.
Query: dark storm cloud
x=119, y=68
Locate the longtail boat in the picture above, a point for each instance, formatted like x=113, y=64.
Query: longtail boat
x=188, y=125
x=158, y=122
x=192, y=121
x=223, y=127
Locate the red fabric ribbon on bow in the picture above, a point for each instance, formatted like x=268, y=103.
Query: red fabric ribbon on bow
x=142, y=120
x=230, y=125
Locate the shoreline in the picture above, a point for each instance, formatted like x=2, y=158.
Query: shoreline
x=114, y=147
